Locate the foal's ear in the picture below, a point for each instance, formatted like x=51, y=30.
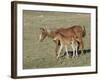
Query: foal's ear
x=42, y=29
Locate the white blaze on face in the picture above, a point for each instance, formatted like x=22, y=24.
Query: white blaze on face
x=40, y=37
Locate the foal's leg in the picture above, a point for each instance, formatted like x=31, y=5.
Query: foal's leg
x=66, y=51
x=76, y=48
x=73, y=47
x=57, y=46
x=56, y=50
x=58, y=55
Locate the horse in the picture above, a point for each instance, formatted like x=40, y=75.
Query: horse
x=65, y=42
x=44, y=32
x=75, y=33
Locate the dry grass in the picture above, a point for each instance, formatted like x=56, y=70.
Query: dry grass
x=42, y=54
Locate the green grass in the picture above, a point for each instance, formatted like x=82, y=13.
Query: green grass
x=42, y=54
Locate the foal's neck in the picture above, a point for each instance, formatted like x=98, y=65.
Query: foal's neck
x=51, y=34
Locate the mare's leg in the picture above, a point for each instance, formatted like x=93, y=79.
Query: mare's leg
x=81, y=46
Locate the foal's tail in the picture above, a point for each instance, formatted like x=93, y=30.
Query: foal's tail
x=84, y=31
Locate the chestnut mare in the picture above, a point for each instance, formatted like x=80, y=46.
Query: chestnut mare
x=64, y=37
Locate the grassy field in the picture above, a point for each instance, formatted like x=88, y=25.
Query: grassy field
x=42, y=54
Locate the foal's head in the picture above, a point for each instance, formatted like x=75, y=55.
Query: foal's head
x=43, y=34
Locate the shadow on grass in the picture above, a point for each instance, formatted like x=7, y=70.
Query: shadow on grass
x=79, y=52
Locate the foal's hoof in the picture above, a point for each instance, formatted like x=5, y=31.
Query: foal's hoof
x=73, y=56
x=57, y=57
x=67, y=57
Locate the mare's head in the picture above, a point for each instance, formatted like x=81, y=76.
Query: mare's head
x=43, y=34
